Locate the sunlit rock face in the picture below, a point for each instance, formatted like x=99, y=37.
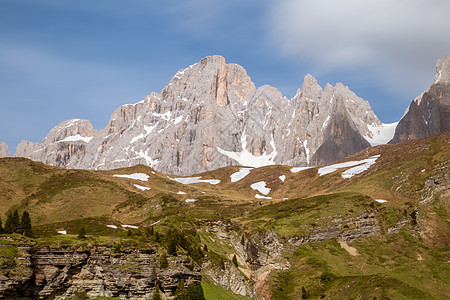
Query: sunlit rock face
x=211, y=115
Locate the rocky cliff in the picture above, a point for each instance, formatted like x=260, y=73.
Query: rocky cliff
x=42, y=272
x=4, y=150
x=429, y=113
x=211, y=115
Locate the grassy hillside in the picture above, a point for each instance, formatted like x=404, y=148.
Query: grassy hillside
x=405, y=257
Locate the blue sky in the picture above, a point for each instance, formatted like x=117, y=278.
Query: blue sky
x=82, y=59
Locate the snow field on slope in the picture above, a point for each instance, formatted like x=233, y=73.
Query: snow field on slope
x=245, y=158
x=76, y=138
x=142, y=188
x=282, y=177
x=358, y=167
x=240, y=174
x=298, y=169
x=258, y=196
x=260, y=187
x=381, y=134
x=191, y=180
x=135, y=176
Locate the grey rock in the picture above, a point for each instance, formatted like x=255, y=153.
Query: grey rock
x=4, y=150
x=63, y=146
x=211, y=115
x=429, y=113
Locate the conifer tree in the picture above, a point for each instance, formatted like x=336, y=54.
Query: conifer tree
x=82, y=233
x=16, y=221
x=163, y=262
x=156, y=295
x=26, y=224
x=235, y=262
x=9, y=227
x=180, y=292
x=195, y=291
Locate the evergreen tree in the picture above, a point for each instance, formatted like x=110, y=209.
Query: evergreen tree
x=235, y=262
x=195, y=291
x=82, y=233
x=26, y=224
x=157, y=237
x=172, y=249
x=163, y=262
x=305, y=294
x=1, y=227
x=156, y=295
x=180, y=292
x=9, y=226
x=16, y=221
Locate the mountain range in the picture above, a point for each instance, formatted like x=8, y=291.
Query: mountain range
x=211, y=115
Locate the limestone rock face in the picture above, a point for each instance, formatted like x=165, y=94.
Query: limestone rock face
x=63, y=146
x=211, y=115
x=61, y=273
x=429, y=113
x=4, y=150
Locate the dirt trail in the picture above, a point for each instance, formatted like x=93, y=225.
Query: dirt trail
x=351, y=250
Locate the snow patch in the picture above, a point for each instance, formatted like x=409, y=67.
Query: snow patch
x=130, y=226
x=245, y=158
x=191, y=180
x=142, y=188
x=155, y=223
x=240, y=174
x=282, y=177
x=381, y=134
x=112, y=226
x=357, y=167
x=135, y=176
x=298, y=169
x=258, y=196
x=305, y=145
x=165, y=116
x=326, y=122
x=190, y=200
x=381, y=200
x=62, y=232
x=150, y=162
x=137, y=138
x=178, y=120
x=261, y=187
x=361, y=168
x=77, y=138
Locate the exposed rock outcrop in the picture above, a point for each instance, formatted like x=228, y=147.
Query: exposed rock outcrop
x=58, y=273
x=209, y=116
x=63, y=146
x=4, y=150
x=429, y=113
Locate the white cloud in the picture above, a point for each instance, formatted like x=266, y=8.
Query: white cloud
x=397, y=41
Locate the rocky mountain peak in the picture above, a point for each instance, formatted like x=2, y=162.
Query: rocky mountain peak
x=4, y=150
x=211, y=115
x=443, y=70
x=429, y=113
x=71, y=130
x=310, y=88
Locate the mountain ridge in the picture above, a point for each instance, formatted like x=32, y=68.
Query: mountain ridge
x=211, y=115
